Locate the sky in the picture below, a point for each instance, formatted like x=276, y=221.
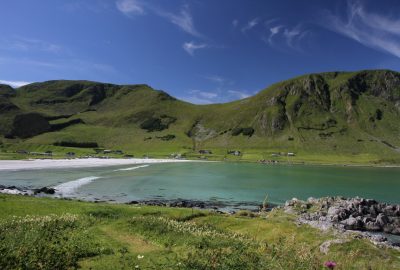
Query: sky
x=207, y=51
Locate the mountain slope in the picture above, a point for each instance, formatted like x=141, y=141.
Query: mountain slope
x=344, y=115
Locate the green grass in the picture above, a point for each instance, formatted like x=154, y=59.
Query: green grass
x=42, y=233
x=323, y=118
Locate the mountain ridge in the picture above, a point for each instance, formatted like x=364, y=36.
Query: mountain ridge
x=337, y=113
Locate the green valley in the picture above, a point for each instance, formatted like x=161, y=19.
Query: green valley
x=335, y=117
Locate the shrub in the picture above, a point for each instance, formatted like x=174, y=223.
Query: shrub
x=77, y=144
x=247, y=131
x=46, y=242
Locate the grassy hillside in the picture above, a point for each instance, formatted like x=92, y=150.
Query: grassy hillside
x=336, y=117
x=70, y=234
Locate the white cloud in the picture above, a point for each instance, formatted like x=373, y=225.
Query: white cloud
x=14, y=84
x=29, y=44
x=130, y=7
x=274, y=31
x=196, y=100
x=183, y=20
x=369, y=29
x=281, y=35
x=250, y=24
x=201, y=97
x=216, y=78
x=191, y=47
x=204, y=94
x=212, y=97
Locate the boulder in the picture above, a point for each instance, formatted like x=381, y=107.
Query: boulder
x=382, y=219
x=372, y=226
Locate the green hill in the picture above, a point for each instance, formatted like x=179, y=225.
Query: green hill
x=335, y=117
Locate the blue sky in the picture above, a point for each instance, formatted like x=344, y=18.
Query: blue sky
x=200, y=51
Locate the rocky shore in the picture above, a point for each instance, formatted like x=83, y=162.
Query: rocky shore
x=369, y=218
x=229, y=207
x=347, y=216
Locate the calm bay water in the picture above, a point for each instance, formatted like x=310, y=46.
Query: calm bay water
x=227, y=182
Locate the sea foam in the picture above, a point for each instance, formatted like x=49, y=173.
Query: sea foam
x=131, y=168
x=71, y=186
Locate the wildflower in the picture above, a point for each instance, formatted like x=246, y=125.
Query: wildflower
x=330, y=264
x=137, y=266
x=140, y=257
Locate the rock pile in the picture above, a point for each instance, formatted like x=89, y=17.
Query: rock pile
x=349, y=214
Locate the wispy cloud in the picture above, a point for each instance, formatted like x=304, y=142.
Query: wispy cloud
x=210, y=97
x=273, y=32
x=250, y=24
x=130, y=7
x=183, y=20
x=29, y=44
x=222, y=82
x=71, y=64
x=14, y=84
x=206, y=95
x=369, y=29
x=280, y=34
x=191, y=47
x=222, y=91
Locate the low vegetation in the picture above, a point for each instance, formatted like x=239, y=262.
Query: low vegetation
x=41, y=233
x=335, y=117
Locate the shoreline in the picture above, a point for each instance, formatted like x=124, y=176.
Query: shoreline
x=50, y=163
x=36, y=164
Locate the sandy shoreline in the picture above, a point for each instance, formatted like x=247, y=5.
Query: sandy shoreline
x=13, y=165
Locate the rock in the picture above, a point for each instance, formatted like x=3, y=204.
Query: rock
x=372, y=226
x=324, y=247
x=382, y=219
x=133, y=202
x=378, y=238
x=333, y=210
x=353, y=223
x=45, y=190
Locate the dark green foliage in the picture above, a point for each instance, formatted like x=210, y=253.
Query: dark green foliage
x=157, y=124
x=77, y=144
x=247, y=131
x=167, y=137
x=29, y=125
x=47, y=242
x=153, y=124
x=55, y=127
x=379, y=114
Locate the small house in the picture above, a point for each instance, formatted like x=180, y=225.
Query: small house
x=203, y=152
x=106, y=151
x=119, y=152
x=291, y=154
x=70, y=154
x=235, y=152
x=22, y=152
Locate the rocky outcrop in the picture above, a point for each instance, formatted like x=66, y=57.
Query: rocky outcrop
x=350, y=214
x=365, y=217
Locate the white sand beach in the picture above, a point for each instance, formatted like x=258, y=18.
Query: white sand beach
x=76, y=163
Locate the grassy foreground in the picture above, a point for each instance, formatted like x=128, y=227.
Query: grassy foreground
x=41, y=233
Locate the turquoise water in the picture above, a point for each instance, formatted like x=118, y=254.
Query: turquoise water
x=227, y=182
